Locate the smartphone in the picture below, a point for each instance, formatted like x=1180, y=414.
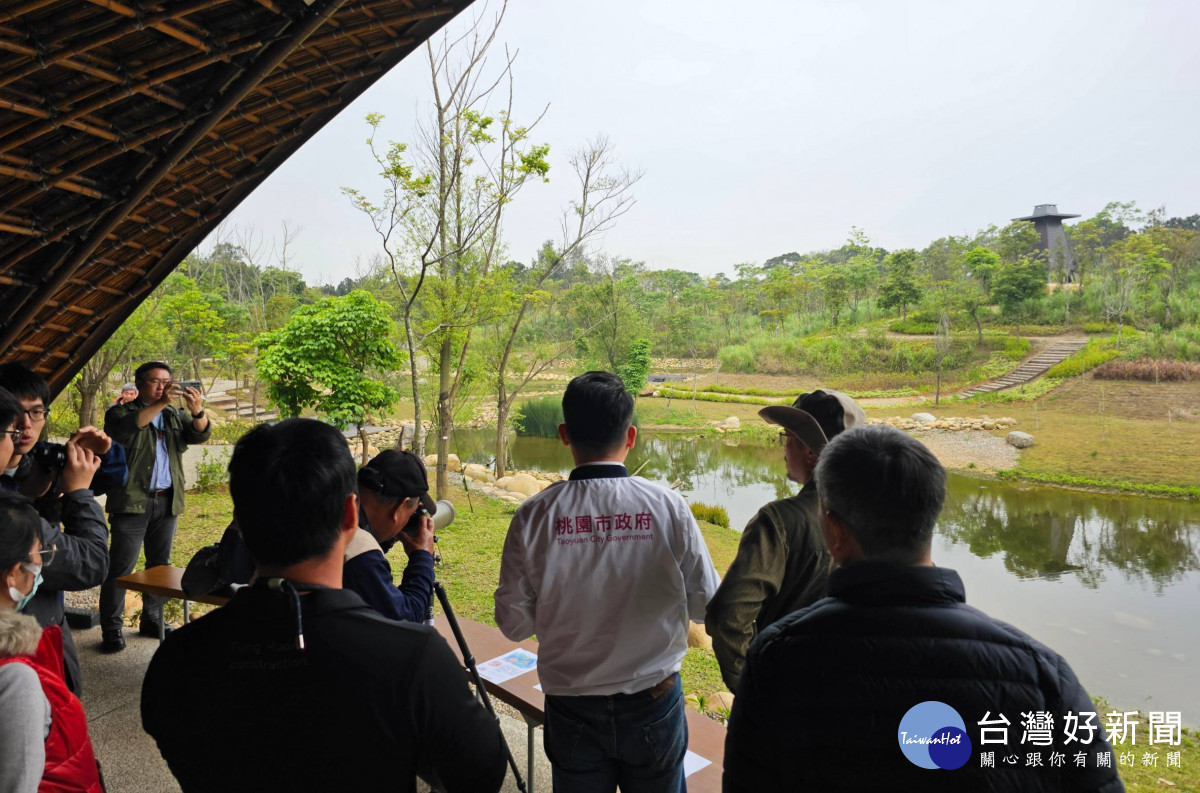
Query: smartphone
x=182, y=384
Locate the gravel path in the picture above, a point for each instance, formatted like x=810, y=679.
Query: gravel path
x=957, y=450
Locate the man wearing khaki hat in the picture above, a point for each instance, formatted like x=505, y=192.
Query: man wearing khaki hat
x=781, y=564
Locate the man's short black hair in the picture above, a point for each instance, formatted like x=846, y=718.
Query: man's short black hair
x=10, y=409
x=19, y=527
x=23, y=383
x=289, y=484
x=140, y=373
x=597, y=411
x=885, y=487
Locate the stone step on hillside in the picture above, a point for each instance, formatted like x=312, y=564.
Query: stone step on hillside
x=1031, y=368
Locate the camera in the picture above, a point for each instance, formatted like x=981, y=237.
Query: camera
x=51, y=456
x=441, y=519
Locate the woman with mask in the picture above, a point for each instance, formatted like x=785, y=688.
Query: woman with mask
x=44, y=743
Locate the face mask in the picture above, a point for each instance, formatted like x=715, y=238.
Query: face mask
x=15, y=594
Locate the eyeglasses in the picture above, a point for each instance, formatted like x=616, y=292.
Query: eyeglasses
x=158, y=382
x=47, y=554
x=15, y=435
x=38, y=414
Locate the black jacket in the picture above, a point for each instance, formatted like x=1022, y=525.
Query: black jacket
x=823, y=692
x=369, y=703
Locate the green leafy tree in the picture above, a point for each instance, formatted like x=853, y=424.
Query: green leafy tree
x=980, y=264
x=636, y=367
x=1019, y=281
x=1019, y=239
x=328, y=357
x=899, y=288
x=195, y=320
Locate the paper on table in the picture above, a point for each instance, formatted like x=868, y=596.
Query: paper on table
x=508, y=666
x=693, y=762
x=538, y=687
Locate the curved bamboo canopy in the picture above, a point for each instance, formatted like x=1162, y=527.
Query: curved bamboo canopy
x=130, y=128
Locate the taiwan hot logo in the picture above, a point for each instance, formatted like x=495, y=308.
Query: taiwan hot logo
x=933, y=735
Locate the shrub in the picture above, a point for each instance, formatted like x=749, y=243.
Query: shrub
x=1016, y=347
x=1095, y=353
x=1151, y=370
x=711, y=513
x=538, y=417
x=914, y=327
x=211, y=474
x=737, y=358
x=670, y=393
x=1098, y=327
x=229, y=432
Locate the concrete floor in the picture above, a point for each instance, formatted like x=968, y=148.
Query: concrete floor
x=131, y=762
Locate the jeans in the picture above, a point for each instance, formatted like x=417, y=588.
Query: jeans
x=156, y=526
x=596, y=743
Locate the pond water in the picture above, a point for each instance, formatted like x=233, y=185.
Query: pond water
x=1110, y=582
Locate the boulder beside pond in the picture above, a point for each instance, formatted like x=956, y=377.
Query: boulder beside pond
x=1022, y=440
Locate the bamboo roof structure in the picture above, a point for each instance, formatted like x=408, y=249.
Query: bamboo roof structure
x=130, y=128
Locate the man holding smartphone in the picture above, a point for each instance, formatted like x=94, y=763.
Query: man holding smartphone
x=155, y=435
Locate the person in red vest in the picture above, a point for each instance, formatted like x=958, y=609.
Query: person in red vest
x=44, y=743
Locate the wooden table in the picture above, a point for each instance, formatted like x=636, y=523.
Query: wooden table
x=165, y=581
x=706, y=737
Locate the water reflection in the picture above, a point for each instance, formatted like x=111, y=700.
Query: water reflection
x=1042, y=532
x=1037, y=532
x=1110, y=582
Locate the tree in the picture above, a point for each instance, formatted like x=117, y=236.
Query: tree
x=941, y=348
x=636, y=367
x=403, y=191
x=612, y=304
x=605, y=194
x=899, y=288
x=194, y=319
x=326, y=359
x=1180, y=248
x=478, y=164
x=1019, y=281
x=1019, y=239
x=980, y=264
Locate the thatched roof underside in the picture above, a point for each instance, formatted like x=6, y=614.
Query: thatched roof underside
x=130, y=128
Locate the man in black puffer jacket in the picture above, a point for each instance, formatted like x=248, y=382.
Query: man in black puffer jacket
x=830, y=692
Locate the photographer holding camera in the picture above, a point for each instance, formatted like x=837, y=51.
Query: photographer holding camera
x=155, y=435
x=62, y=479
x=394, y=506
x=296, y=684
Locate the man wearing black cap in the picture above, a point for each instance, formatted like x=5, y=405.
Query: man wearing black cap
x=392, y=488
x=781, y=563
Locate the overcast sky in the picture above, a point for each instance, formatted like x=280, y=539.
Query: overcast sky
x=767, y=127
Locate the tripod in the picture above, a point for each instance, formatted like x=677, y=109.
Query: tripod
x=469, y=663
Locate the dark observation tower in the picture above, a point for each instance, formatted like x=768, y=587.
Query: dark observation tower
x=1048, y=221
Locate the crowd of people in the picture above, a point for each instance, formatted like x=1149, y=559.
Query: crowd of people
x=320, y=673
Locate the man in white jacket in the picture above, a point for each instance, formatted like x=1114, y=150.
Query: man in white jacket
x=607, y=569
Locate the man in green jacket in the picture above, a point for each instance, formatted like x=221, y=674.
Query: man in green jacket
x=155, y=435
x=781, y=563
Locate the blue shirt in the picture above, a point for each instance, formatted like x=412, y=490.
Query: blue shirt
x=160, y=479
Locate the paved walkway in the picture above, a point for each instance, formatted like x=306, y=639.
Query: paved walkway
x=132, y=764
